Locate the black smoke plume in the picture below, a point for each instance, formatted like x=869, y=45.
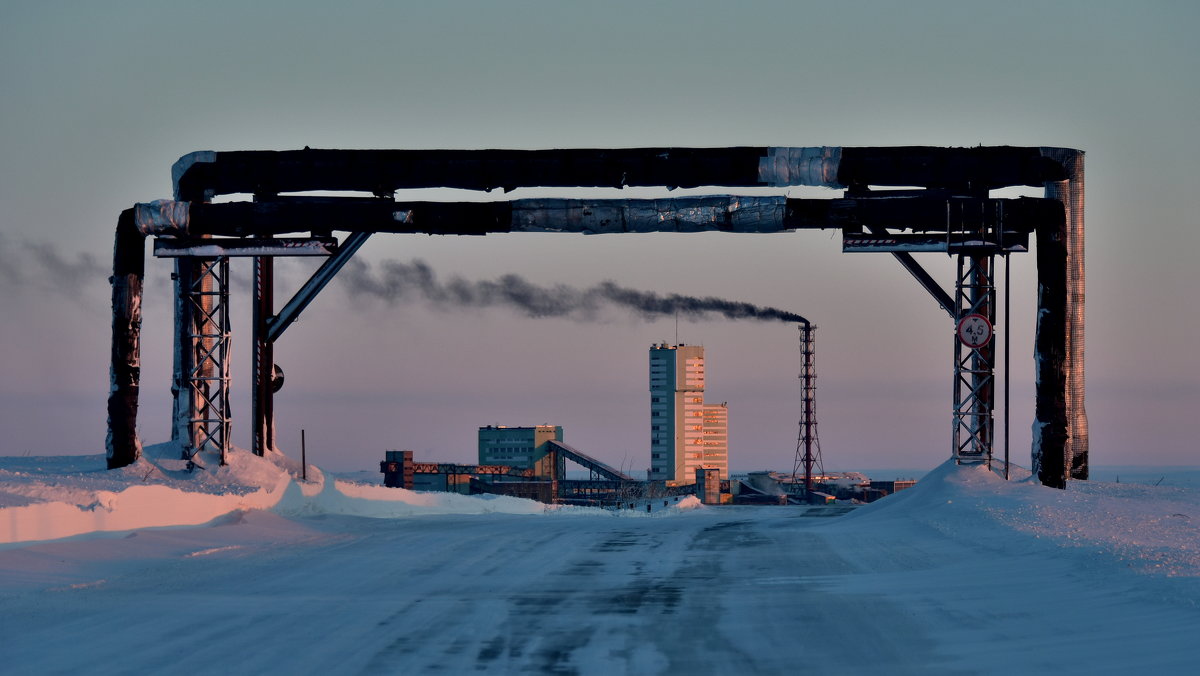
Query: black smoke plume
x=40, y=266
x=398, y=282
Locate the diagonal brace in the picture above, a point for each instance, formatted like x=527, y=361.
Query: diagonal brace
x=923, y=278
x=290, y=312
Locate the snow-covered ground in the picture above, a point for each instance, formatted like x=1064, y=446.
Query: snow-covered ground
x=245, y=569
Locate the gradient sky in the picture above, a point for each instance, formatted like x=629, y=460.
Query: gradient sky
x=99, y=99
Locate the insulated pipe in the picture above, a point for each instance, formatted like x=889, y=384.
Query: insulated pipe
x=200, y=176
x=122, y=445
x=727, y=213
x=203, y=175
x=1051, y=430
x=1074, y=450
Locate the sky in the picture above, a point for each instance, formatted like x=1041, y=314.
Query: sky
x=99, y=100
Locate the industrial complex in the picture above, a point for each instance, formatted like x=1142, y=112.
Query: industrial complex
x=689, y=455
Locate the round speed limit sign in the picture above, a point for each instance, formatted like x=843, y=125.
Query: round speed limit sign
x=974, y=330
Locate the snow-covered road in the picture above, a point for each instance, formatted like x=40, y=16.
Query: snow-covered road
x=954, y=576
x=704, y=592
x=742, y=590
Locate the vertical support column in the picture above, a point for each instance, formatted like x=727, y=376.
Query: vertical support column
x=974, y=366
x=202, y=344
x=122, y=445
x=1075, y=444
x=1051, y=428
x=264, y=357
x=181, y=390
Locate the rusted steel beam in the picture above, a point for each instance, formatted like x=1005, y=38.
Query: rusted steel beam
x=452, y=468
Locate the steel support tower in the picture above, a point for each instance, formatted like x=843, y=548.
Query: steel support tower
x=264, y=381
x=202, y=353
x=808, y=446
x=974, y=366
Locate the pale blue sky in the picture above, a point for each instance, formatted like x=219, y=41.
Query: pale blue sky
x=99, y=99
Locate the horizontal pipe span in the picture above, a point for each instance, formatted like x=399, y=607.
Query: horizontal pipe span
x=685, y=214
x=203, y=175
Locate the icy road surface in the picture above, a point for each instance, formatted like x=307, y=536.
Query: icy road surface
x=963, y=574
x=742, y=590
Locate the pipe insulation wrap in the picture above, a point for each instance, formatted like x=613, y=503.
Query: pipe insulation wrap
x=162, y=217
x=784, y=167
x=687, y=214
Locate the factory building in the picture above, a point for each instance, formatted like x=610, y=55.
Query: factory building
x=520, y=447
x=685, y=433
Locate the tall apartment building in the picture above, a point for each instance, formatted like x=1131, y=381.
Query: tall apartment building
x=685, y=434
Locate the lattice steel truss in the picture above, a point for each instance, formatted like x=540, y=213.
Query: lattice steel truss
x=974, y=368
x=808, y=446
x=205, y=333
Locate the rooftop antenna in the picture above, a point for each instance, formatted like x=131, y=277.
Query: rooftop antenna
x=676, y=327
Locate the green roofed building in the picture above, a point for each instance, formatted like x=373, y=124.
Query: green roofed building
x=523, y=447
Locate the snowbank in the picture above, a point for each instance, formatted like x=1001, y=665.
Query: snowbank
x=1152, y=528
x=49, y=498
x=345, y=497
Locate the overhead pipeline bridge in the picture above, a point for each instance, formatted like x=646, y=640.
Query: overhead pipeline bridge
x=899, y=200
